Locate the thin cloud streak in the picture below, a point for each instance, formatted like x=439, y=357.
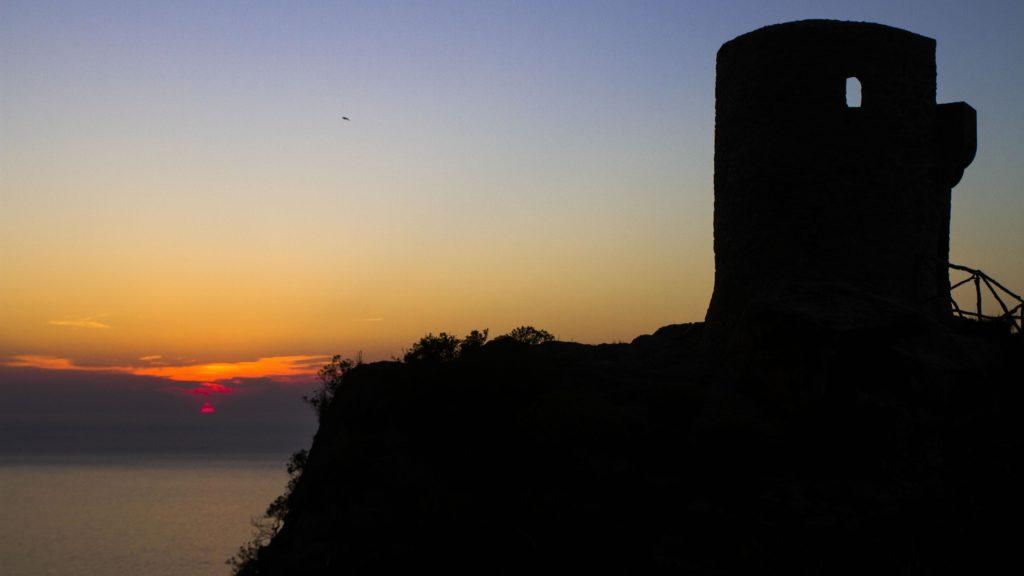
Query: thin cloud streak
x=80, y=323
x=275, y=367
x=282, y=369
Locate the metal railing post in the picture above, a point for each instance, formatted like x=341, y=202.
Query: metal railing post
x=977, y=291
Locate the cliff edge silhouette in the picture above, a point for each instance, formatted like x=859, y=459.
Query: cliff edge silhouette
x=826, y=450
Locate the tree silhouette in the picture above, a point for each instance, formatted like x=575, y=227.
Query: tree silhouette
x=530, y=335
x=434, y=349
x=330, y=377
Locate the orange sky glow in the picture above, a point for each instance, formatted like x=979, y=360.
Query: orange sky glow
x=280, y=368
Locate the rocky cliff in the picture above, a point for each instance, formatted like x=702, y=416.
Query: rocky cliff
x=801, y=446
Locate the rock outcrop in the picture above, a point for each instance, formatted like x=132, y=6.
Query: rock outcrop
x=817, y=450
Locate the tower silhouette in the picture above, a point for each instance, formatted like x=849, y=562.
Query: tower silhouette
x=824, y=205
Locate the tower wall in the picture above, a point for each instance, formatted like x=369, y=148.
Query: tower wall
x=819, y=199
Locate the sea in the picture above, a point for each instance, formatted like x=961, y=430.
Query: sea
x=158, y=515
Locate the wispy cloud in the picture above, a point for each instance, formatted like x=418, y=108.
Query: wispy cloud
x=90, y=322
x=277, y=368
x=49, y=363
x=150, y=358
x=274, y=367
x=369, y=320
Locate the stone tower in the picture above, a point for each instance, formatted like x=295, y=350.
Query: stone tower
x=826, y=207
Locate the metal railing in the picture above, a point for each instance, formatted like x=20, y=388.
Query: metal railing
x=1013, y=316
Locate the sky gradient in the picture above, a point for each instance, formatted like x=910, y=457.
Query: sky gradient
x=178, y=189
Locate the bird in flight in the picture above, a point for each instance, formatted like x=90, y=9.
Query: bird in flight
x=345, y=118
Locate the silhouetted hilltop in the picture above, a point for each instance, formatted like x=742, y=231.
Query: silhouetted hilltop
x=803, y=446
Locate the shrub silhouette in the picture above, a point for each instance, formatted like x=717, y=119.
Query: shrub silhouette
x=473, y=342
x=445, y=347
x=265, y=527
x=530, y=335
x=330, y=377
x=432, y=349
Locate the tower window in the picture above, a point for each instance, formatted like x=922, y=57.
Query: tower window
x=852, y=92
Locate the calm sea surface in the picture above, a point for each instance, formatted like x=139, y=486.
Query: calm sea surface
x=152, y=516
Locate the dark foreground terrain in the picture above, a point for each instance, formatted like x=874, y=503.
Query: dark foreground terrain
x=798, y=446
